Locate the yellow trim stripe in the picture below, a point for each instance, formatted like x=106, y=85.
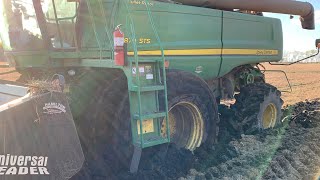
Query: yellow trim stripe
x=202, y=52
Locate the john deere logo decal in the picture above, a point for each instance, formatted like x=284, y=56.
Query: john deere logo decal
x=54, y=108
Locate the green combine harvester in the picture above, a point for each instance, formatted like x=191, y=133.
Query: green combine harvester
x=137, y=74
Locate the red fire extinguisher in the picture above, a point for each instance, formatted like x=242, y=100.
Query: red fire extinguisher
x=118, y=38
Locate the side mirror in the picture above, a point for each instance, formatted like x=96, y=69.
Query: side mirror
x=318, y=43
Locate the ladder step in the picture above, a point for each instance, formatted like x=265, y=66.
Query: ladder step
x=148, y=88
x=149, y=60
x=153, y=142
x=150, y=116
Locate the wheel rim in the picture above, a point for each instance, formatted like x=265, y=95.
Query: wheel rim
x=269, y=116
x=186, y=125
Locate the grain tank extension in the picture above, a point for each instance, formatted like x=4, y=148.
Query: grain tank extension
x=139, y=74
x=304, y=9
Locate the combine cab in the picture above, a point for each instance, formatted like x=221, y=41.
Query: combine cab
x=138, y=74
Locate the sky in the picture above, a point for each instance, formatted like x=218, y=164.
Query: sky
x=295, y=38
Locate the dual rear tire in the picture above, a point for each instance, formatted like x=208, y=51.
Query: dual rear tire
x=258, y=107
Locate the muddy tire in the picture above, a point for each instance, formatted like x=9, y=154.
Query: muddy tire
x=186, y=91
x=258, y=107
x=104, y=129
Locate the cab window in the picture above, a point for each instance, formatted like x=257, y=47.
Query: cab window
x=61, y=16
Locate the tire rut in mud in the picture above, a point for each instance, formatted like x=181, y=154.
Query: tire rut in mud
x=288, y=152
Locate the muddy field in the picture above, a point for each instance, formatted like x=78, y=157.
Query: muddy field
x=290, y=151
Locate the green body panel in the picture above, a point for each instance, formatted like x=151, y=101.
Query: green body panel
x=206, y=42
x=192, y=28
x=252, y=32
x=179, y=27
x=182, y=28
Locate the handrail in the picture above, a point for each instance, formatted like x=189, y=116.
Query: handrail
x=135, y=49
x=103, y=12
x=163, y=59
x=57, y=22
x=94, y=27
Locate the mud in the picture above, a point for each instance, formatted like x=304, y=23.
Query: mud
x=291, y=151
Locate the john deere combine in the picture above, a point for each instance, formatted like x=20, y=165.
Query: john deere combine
x=139, y=73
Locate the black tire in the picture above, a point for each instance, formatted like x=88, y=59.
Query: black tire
x=184, y=86
x=252, y=107
x=104, y=129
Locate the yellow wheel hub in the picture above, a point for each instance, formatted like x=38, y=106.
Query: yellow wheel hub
x=172, y=126
x=269, y=117
x=186, y=125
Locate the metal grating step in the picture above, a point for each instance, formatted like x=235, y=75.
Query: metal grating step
x=150, y=116
x=147, y=88
x=149, y=60
x=153, y=141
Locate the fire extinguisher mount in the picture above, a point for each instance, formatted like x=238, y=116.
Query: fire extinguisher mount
x=118, y=37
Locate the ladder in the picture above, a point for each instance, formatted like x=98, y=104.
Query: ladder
x=147, y=121
x=147, y=80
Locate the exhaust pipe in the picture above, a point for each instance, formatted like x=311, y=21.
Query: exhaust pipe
x=304, y=9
